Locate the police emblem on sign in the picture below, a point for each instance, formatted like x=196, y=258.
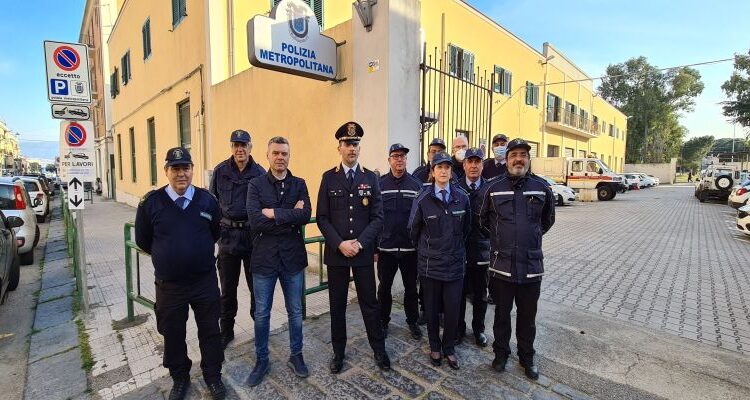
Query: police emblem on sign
x=299, y=22
x=79, y=87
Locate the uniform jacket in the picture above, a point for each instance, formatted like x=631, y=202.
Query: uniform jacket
x=422, y=173
x=457, y=168
x=516, y=213
x=478, y=242
x=439, y=233
x=493, y=170
x=180, y=242
x=278, y=243
x=229, y=185
x=347, y=212
x=398, y=196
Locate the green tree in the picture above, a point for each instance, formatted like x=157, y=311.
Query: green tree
x=724, y=145
x=50, y=168
x=654, y=100
x=694, y=150
x=737, y=88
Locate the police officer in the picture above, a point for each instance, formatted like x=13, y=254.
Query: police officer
x=460, y=145
x=517, y=209
x=423, y=172
x=229, y=185
x=477, y=251
x=395, y=251
x=496, y=166
x=350, y=216
x=439, y=223
x=178, y=225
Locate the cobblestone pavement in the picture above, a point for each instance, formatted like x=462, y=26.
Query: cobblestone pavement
x=657, y=258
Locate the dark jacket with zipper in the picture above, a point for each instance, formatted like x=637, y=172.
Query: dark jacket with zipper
x=279, y=245
x=398, y=196
x=515, y=213
x=349, y=211
x=478, y=242
x=440, y=233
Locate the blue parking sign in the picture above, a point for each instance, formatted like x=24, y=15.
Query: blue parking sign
x=59, y=87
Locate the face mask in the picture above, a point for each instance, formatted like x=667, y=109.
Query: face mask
x=500, y=152
x=461, y=155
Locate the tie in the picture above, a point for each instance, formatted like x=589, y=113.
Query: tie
x=181, y=202
x=350, y=177
x=444, y=193
x=473, y=186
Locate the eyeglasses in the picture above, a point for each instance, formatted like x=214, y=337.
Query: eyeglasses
x=398, y=156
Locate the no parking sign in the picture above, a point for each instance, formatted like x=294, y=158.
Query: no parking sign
x=77, y=151
x=67, y=72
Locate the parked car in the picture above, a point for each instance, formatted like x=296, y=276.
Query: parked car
x=633, y=181
x=740, y=195
x=655, y=179
x=716, y=181
x=646, y=181
x=10, y=265
x=743, y=219
x=15, y=202
x=46, y=184
x=563, y=194
x=35, y=188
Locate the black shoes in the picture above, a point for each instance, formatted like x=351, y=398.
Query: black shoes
x=259, y=372
x=480, y=340
x=531, y=370
x=436, y=361
x=336, y=364
x=416, y=332
x=226, y=337
x=217, y=390
x=454, y=364
x=179, y=389
x=297, y=364
x=382, y=360
x=498, y=364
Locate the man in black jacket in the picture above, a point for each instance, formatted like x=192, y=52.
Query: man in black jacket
x=178, y=226
x=278, y=206
x=477, y=252
x=496, y=166
x=350, y=216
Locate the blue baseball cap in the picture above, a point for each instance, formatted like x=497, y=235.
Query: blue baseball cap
x=518, y=142
x=178, y=156
x=438, y=142
x=398, y=147
x=474, y=152
x=240, y=136
x=439, y=158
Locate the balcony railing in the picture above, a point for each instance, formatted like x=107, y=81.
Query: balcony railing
x=571, y=122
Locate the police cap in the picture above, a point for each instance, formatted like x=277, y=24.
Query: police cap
x=178, y=156
x=499, y=137
x=350, y=131
x=398, y=147
x=240, y=136
x=438, y=142
x=518, y=142
x=440, y=158
x=474, y=152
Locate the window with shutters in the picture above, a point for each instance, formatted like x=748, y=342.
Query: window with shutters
x=568, y=152
x=119, y=154
x=532, y=94
x=125, y=68
x=553, y=151
x=114, y=84
x=582, y=153
x=179, y=11
x=183, y=116
x=553, y=108
x=595, y=124
x=503, y=80
x=316, y=5
x=534, y=152
x=146, y=33
x=151, y=126
x=461, y=63
x=132, y=155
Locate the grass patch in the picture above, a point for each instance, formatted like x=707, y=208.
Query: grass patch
x=87, y=359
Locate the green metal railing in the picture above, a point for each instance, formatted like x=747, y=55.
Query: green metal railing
x=71, y=239
x=137, y=297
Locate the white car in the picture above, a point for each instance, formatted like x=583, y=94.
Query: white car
x=15, y=202
x=743, y=219
x=740, y=195
x=655, y=179
x=35, y=188
x=646, y=181
x=563, y=194
x=633, y=181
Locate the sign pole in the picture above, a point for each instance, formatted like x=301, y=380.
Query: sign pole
x=82, y=260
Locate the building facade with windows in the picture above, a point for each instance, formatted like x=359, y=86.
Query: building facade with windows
x=180, y=75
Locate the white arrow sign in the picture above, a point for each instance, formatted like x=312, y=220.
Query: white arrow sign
x=75, y=195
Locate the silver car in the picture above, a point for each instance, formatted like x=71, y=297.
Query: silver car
x=15, y=202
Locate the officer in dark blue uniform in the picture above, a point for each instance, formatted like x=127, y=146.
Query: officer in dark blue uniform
x=496, y=166
x=423, y=172
x=517, y=209
x=229, y=185
x=477, y=251
x=350, y=216
x=178, y=226
x=439, y=223
x=395, y=250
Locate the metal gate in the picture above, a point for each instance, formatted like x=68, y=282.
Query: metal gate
x=456, y=100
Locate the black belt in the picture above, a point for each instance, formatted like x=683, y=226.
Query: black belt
x=233, y=224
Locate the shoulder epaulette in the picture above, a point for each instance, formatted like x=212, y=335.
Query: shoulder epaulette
x=146, y=196
x=206, y=191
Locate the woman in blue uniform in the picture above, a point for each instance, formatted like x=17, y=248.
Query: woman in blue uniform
x=439, y=223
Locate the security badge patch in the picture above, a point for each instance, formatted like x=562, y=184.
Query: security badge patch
x=365, y=191
x=177, y=154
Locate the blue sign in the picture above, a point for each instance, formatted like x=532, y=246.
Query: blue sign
x=59, y=87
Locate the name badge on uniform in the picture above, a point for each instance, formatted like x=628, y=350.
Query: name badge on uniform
x=207, y=216
x=365, y=191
